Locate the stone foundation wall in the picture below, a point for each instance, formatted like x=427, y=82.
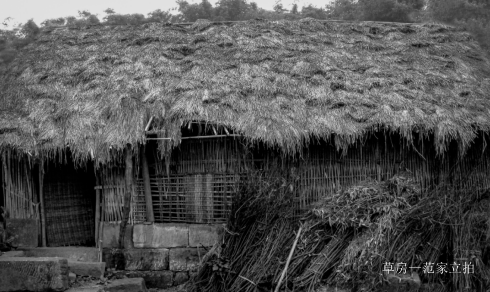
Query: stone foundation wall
x=164, y=254
x=33, y=274
x=24, y=231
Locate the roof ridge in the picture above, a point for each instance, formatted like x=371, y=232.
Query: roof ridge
x=52, y=28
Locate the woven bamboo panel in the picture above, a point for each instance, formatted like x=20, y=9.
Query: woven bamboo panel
x=69, y=208
x=191, y=198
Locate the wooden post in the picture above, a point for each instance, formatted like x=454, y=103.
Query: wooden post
x=102, y=220
x=146, y=181
x=35, y=200
x=128, y=188
x=97, y=209
x=5, y=193
x=41, y=201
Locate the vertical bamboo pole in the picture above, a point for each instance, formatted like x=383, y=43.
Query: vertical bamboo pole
x=35, y=200
x=103, y=207
x=41, y=200
x=378, y=162
x=4, y=186
x=5, y=180
x=97, y=209
x=28, y=194
x=102, y=214
x=198, y=198
x=208, y=193
x=128, y=187
x=146, y=182
x=8, y=183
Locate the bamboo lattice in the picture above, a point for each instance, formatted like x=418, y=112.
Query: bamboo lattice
x=191, y=198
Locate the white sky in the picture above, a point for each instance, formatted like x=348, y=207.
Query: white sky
x=40, y=10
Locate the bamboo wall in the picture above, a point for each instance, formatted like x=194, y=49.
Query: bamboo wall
x=20, y=193
x=198, y=186
x=204, y=174
x=112, y=197
x=324, y=170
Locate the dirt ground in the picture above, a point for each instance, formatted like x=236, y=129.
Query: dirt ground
x=94, y=282
x=180, y=288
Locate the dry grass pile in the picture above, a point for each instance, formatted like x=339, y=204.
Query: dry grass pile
x=349, y=236
x=254, y=243
x=396, y=223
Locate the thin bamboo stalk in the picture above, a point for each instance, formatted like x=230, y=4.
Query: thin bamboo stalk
x=208, y=197
x=9, y=183
x=146, y=180
x=110, y=202
x=289, y=259
x=102, y=215
x=41, y=200
x=97, y=211
x=5, y=180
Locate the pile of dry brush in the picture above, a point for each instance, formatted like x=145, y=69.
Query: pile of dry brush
x=347, y=237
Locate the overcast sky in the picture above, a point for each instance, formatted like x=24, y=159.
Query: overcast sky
x=40, y=10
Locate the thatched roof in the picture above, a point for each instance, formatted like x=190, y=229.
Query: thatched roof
x=280, y=82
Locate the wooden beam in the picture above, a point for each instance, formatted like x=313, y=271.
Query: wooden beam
x=146, y=181
x=41, y=201
x=149, y=124
x=128, y=186
x=198, y=137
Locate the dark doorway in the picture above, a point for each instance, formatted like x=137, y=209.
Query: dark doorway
x=69, y=199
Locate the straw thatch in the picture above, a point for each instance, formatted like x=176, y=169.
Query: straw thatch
x=282, y=82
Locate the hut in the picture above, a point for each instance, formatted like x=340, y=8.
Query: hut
x=166, y=118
